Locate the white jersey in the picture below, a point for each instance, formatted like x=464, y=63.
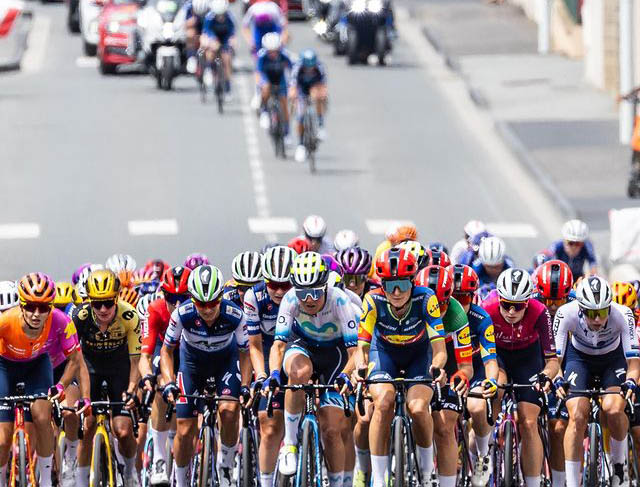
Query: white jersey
x=265, y=12
x=334, y=324
x=620, y=327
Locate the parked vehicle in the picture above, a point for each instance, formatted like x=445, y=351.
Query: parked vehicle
x=15, y=24
x=117, y=35
x=89, y=13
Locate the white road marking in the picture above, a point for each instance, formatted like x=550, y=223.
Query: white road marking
x=264, y=224
x=379, y=227
x=479, y=124
x=10, y=231
x=153, y=227
x=512, y=230
x=87, y=62
x=273, y=225
x=36, y=44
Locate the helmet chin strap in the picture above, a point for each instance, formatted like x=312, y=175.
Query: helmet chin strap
x=32, y=327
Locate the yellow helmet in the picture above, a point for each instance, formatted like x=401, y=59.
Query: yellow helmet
x=102, y=284
x=129, y=295
x=624, y=293
x=65, y=294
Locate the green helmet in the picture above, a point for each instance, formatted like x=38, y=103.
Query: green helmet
x=205, y=283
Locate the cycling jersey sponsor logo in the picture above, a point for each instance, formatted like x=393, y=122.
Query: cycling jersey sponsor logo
x=226, y=391
x=70, y=330
x=83, y=314
x=233, y=311
x=465, y=353
x=488, y=333
x=249, y=306
x=432, y=307
x=464, y=336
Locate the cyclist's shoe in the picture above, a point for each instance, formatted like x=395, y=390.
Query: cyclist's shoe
x=159, y=474
x=301, y=153
x=207, y=77
x=360, y=479
x=288, y=460
x=264, y=120
x=481, y=471
x=68, y=474
x=226, y=477
x=192, y=65
x=619, y=477
x=431, y=481
x=322, y=133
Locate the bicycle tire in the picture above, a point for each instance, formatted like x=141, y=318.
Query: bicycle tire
x=634, y=470
x=219, y=86
x=247, y=466
x=61, y=447
x=464, y=475
x=99, y=464
x=397, y=455
x=591, y=469
x=22, y=460
x=508, y=479
x=205, y=458
x=308, y=467
x=147, y=462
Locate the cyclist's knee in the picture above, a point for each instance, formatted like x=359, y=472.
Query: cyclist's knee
x=6, y=430
x=228, y=414
x=331, y=432
x=270, y=430
x=476, y=407
x=185, y=428
x=558, y=427
x=418, y=407
x=301, y=373
x=122, y=429
x=384, y=404
x=613, y=405
x=528, y=424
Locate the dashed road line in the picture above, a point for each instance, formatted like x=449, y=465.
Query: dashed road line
x=379, y=227
x=12, y=231
x=513, y=230
x=87, y=62
x=153, y=227
x=37, y=44
x=273, y=225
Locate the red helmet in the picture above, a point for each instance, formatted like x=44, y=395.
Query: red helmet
x=157, y=267
x=439, y=257
x=175, y=280
x=299, y=244
x=396, y=262
x=553, y=279
x=437, y=278
x=464, y=278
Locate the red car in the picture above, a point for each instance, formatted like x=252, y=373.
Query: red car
x=116, y=27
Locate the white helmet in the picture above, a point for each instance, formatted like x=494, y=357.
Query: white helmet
x=314, y=226
x=514, y=284
x=575, y=231
x=81, y=286
x=200, y=7
x=246, y=267
x=473, y=228
x=491, y=251
x=8, y=295
x=309, y=270
x=271, y=41
x=345, y=239
x=276, y=263
x=143, y=304
x=120, y=262
x=219, y=7
x=334, y=279
x=594, y=292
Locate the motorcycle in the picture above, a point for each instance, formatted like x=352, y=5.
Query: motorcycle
x=365, y=31
x=320, y=12
x=161, y=24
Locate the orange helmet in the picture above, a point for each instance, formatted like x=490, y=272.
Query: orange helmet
x=36, y=288
x=402, y=233
x=126, y=278
x=129, y=295
x=142, y=275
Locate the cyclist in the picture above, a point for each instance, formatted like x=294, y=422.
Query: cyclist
x=526, y=351
x=109, y=332
x=299, y=244
x=246, y=269
x=218, y=34
x=120, y=262
x=261, y=306
x=195, y=12
x=553, y=281
x=129, y=295
x=83, y=276
x=485, y=366
x=596, y=337
x=540, y=258
x=470, y=256
x=8, y=295
x=400, y=329
x=66, y=297
x=345, y=239
x=471, y=229
x=272, y=68
x=423, y=255
x=212, y=339
x=309, y=82
x=27, y=333
x=356, y=262
x=154, y=325
x=315, y=333
x=491, y=260
x=315, y=231
x=575, y=248
x=394, y=235
x=458, y=368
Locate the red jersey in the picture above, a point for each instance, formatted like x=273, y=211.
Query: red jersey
x=156, y=325
x=534, y=326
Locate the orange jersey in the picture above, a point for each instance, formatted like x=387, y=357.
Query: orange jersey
x=14, y=344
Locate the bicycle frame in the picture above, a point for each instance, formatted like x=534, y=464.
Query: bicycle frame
x=101, y=430
x=18, y=427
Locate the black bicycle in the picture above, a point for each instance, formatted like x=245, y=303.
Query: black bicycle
x=277, y=124
x=310, y=138
x=248, y=466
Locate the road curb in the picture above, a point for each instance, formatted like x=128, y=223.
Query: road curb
x=506, y=133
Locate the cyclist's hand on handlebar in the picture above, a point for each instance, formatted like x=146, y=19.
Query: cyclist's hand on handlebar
x=343, y=383
x=438, y=374
x=628, y=388
x=272, y=383
x=459, y=383
x=543, y=383
x=170, y=393
x=148, y=382
x=562, y=387
x=258, y=384
x=245, y=395
x=489, y=388
x=130, y=400
x=56, y=392
x=83, y=406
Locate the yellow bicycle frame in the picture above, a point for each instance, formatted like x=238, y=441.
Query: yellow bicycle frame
x=101, y=430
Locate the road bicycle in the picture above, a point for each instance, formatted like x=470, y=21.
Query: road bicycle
x=61, y=444
x=277, y=124
x=310, y=139
x=248, y=474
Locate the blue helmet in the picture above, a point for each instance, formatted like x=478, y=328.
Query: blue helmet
x=309, y=58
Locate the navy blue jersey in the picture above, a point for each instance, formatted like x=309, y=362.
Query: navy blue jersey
x=483, y=277
x=306, y=78
x=274, y=69
x=261, y=313
x=220, y=27
x=586, y=254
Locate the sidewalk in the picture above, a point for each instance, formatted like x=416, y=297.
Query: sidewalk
x=562, y=129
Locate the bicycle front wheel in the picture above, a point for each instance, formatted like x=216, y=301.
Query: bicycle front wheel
x=508, y=479
x=397, y=455
x=204, y=467
x=22, y=460
x=309, y=476
x=593, y=457
x=100, y=468
x=147, y=462
x=248, y=464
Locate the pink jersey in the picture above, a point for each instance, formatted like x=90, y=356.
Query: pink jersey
x=62, y=340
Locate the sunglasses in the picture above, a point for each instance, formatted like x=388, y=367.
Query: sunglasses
x=278, y=286
x=592, y=314
x=207, y=304
x=175, y=299
x=555, y=302
x=516, y=305
x=315, y=293
x=353, y=279
x=402, y=284
x=574, y=244
x=463, y=298
x=107, y=303
x=32, y=307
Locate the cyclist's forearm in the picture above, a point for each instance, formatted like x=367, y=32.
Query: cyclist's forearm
x=633, y=369
x=145, y=365
x=551, y=367
x=276, y=355
x=362, y=355
x=491, y=369
x=71, y=369
x=256, y=354
x=134, y=373
x=439, y=358
x=245, y=367
x=166, y=364
x=84, y=380
x=351, y=361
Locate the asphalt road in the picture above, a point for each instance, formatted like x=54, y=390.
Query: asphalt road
x=83, y=155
